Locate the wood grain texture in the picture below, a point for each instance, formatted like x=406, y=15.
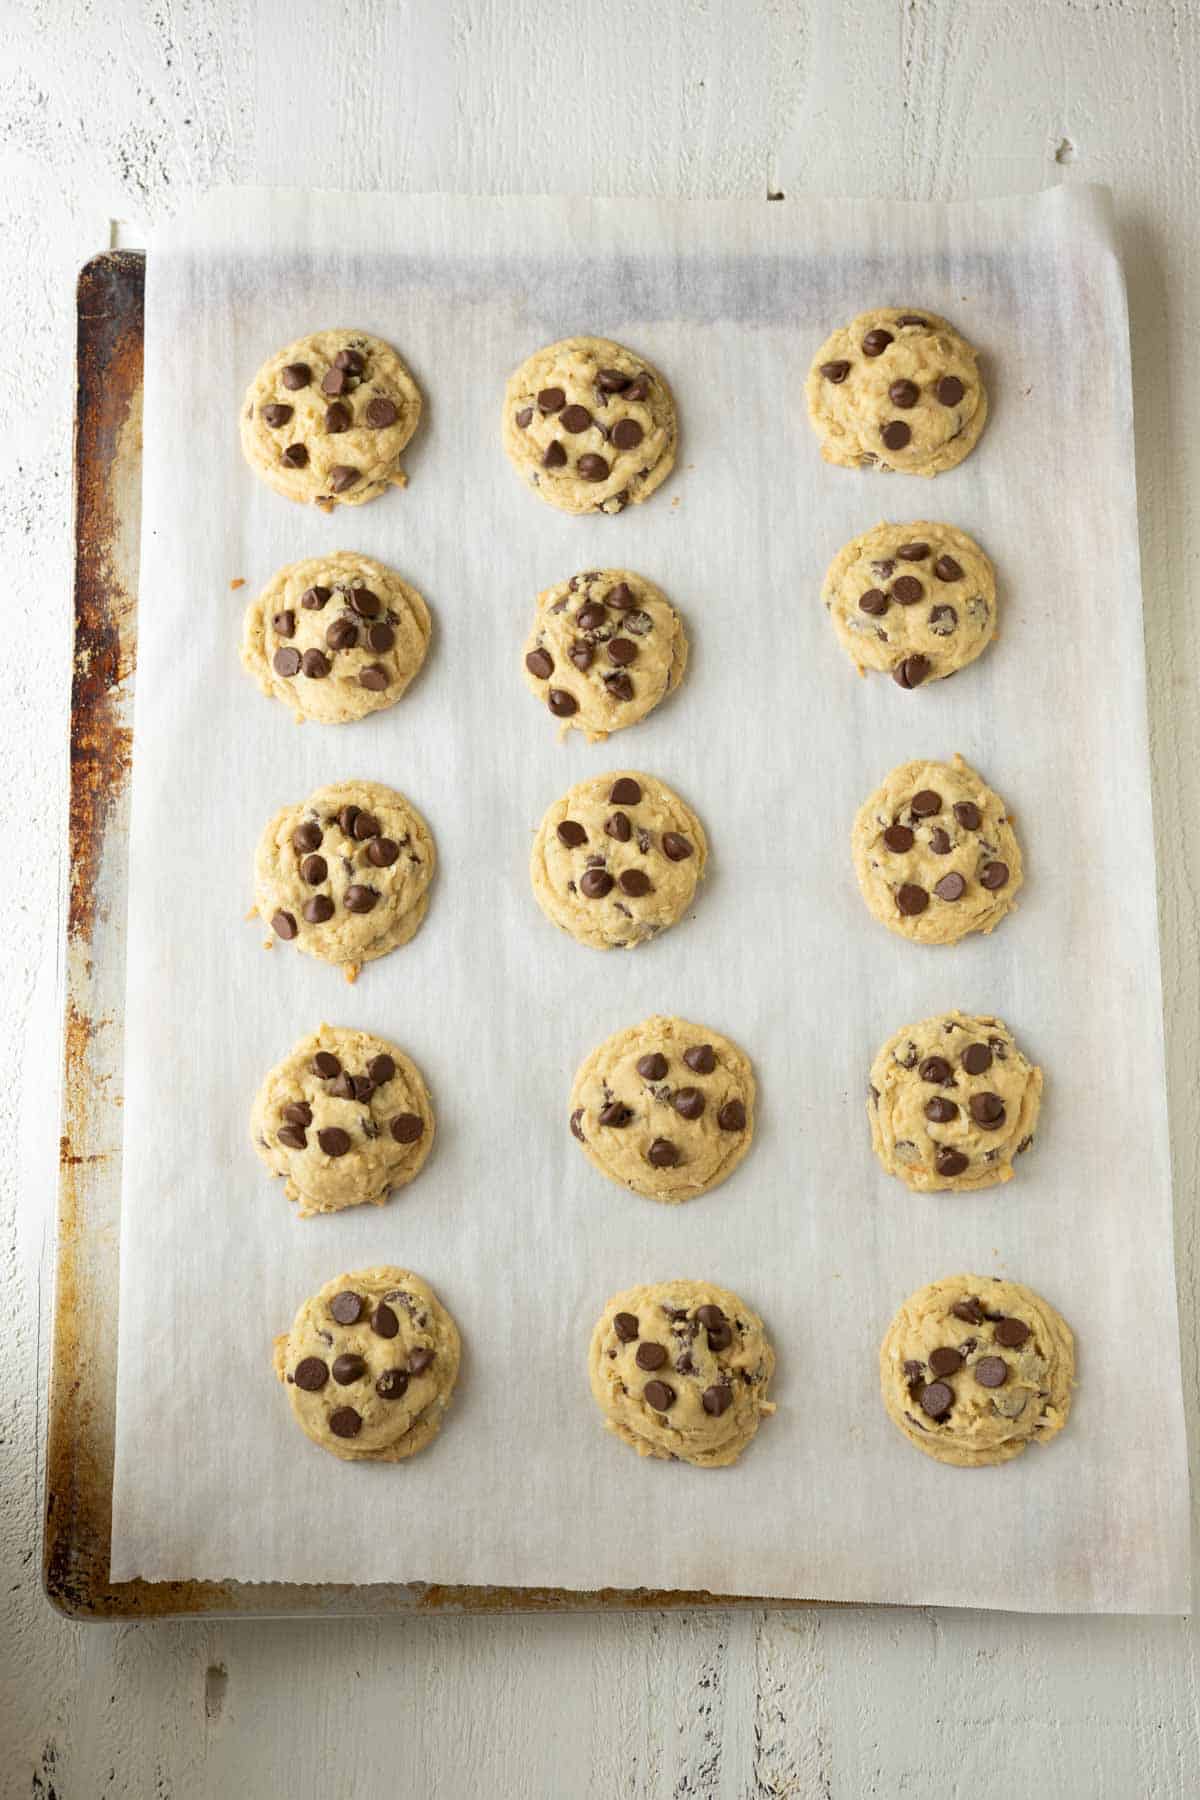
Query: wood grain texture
x=115, y=112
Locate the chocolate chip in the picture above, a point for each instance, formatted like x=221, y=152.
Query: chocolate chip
x=561, y=704
x=914, y=552
x=366, y=604
x=392, y=1384
x=621, y=598
x=551, y=400
x=936, y=1399
x=283, y=925
x=333, y=1140
x=292, y=1137
x=658, y=1395
x=946, y=569
x=638, y=387
x=382, y=852
x=911, y=672
x=876, y=342
x=295, y=375
x=622, y=651
x=968, y=815
x=381, y=413
x=619, y=686
x=950, y=1162
x=315, y=664
x=835, y=372
x=286, y=662
x=700, y=1057
x=553, y=456
x=939, y=841
x=341, y=477
x=575, y=419
x=945, y=1361
x=949, y=390
x=380, y=638
x=318, y=910
x=716, y=1400
x=420, y=1359
x=912, y=319
x=384, y=1322
x=650, y=1356
x=347, y=1368
x=617, y=826
x=295, y=456
x=675, y=847
x=987, y=1110
x=335, y=381
x=911, y=899
x=347, y=1307
x=1011, y=1332
x=970, y=1310
x=925, y=803
x=688, y=1102
x=337, y=418
x=991, y=1371
x=732, y=1116
x=652, y=1067
x=874, y=602
x=407, y=1128
x=345, y=1422
x=297, y=1112
x=907, y=589
x=662, y=1154
x=896, y=434
x=359, y=899
x=976, y=1059
x=950, y=887
x=571, y=833
x=325, y=1065
x=582, y=655
x=575, y=1130
x=308, y=836
x=524, y=416
x=625, y=792
x=898, y=838
x=342, y=634
x=627, y=434
x=935, y=1069
x=311, y=1374
x=904, y=393
x=277, y=413
x=636, y=882
x=612, y=381
x=626, y=1326
x=943, y=621
x=374, y=677
x=540, y=663
x=592, y=468
x=314, y=869
x=381, y=1069
x=595, y=883
x=940, y=1111
x=994, y=875
x=349, y=360
x=364, y=1087
x=314, y=598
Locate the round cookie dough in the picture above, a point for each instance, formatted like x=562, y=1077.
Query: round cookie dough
x=617, y=860
x=935, y=853
x=335, y=637
x=345, y=874
x=370, y=1364
x=605, y=648
x=589, y=425
x=345, y=1119
x=974, y=1368
x=917, y=602
x=680, y=1370
x=326, y=419
x=952, y=1101
x=897, y=389
x=665, y=1108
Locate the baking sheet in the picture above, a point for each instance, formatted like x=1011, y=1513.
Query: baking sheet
x=775, y=742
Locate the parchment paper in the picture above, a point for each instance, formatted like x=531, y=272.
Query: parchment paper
x=775, y=742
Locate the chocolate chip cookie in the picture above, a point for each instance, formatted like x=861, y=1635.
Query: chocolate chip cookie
x=617, y=860
x=605, y=648
x=973, y=1369
x=335, y=637
x=370, y=1365
x=325, y=419
x=681, y=1369
x=917, y=602
x=665, y=1108
x=589, y=425
x=345, y=874
x=345, y=1119
x=897, y=389
x=951, y=1102
x=935, y=853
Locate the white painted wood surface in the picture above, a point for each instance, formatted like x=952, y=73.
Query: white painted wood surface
x=115, y=109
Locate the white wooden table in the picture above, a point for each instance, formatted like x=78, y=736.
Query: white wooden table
x=116, y=111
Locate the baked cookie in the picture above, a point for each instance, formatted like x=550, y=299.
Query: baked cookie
x=974, y=1368
x=589, y=425
x=665, y=1108
x=325, y=419
x=952, y=1101
x=345, y=1119
x=605, y=648
x=345, y=873
x=680, y=1369
x=370, y=1364
x=935, y=853
x=335, y=637
x=617, y=860
x=917, y=602
x=896, y=389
